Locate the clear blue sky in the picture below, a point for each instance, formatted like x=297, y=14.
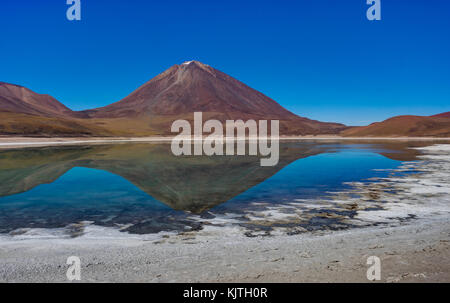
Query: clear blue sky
x=320, y=59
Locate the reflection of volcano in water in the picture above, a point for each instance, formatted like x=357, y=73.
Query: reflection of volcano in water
x=120, y=185
x=184, y=183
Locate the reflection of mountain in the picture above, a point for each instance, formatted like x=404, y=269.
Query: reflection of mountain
x=183, y=183
x=193, y=184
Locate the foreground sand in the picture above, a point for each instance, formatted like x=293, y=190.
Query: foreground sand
x=411, y=253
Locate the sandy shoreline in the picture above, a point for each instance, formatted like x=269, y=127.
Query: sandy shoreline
x=22, y=142
x=411, y=253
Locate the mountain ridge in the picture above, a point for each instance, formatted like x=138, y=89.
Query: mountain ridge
x=175, y=94
x=19, y=99
x=405, y=125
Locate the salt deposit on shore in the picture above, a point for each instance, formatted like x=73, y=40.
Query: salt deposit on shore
x=415, y=190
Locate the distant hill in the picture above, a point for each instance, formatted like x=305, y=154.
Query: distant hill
x=24, y=112
x=21, y=100
x=405, y=126
x=443, y=115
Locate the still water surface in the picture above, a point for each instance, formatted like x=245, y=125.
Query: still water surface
x=143, y=188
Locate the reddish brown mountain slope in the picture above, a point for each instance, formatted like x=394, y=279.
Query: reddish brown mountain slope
x=24, y=112
x=193, y=86
x=407, y=126
x=443, y=115
x=18, y=99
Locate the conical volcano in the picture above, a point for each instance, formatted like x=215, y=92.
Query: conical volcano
x=196, y=87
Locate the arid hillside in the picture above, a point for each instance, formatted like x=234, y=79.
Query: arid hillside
x=405, y=126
